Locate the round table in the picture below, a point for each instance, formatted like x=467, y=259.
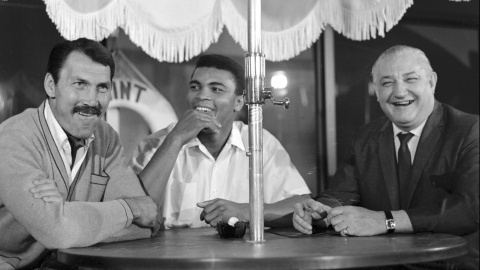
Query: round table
x=204, y=249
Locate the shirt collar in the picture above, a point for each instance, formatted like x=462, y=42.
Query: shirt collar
x=58, y=134
x=416, y=131
x=234, y=139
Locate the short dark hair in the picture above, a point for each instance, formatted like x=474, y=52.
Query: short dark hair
x=224, y=63
x=96, y=51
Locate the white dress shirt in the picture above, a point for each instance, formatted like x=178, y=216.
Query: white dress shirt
x=412, y=143
x=197, y=176
x=63, y=146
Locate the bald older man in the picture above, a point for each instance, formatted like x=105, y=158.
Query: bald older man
x=415, y=170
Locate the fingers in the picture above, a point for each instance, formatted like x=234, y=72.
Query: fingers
x=298, y=209
x=213, y=216
x=210, y=121
x=302, y=218
x=312, y=204
x=43, y=184
x=321, y=215
x=144, y=211
x=215, y=221
x=317, y=209
x=338, y=211
x=52, y=199
x=202, y=216
x=341, y=226
x=193, y=122
x=340, y=221
x=46, y=189
x=157, y=228
x=47, y=193
x=336, y=220
x=345, y=232
x=301, y=225
x=205, y=203
x=44, y=181
x=213, y=211
x=211, y=205
x=201, y=120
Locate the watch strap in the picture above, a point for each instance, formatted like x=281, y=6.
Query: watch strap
x=389, y=222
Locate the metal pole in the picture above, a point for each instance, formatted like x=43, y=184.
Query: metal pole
x=254, y=76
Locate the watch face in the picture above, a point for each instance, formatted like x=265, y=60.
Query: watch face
x=390, y=224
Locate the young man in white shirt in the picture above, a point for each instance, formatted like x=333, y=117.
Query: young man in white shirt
x=198, y=167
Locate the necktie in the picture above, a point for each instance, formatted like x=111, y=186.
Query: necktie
x=75, y=144
x=404, y=163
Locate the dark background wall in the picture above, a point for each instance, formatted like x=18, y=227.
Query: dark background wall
x=26, y=37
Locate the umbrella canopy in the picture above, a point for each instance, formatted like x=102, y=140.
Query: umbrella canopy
x=177, y=30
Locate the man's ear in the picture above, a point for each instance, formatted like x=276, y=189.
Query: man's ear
x=238, y=103
x=432, y=81
x=375, y=88
x=49, y=84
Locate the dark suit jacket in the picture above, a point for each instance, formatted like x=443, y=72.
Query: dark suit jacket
x=444, y=186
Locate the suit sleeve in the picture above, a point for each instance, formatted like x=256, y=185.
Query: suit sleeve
x=458, y=211
x=55, y=225
x=343, y=188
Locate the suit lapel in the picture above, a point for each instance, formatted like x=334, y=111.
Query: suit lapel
x=429, y=139
x=52, y=147
x=386, y=155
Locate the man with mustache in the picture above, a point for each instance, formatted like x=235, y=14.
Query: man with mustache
x=196, y=170
x=63, y=182
x=415, y=170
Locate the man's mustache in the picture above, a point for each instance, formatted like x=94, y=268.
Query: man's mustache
x=86, y=109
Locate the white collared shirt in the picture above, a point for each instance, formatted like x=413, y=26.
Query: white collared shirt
x=63, y=146
x=412, y=143
x=197, y=176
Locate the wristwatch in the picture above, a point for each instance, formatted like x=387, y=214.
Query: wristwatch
x=389, y=222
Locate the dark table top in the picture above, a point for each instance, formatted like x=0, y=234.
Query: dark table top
x=204, y=249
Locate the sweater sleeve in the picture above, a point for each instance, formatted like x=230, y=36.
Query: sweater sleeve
x=123, y=183
x=55, y=225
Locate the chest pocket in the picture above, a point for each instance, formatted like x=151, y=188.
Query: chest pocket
x=97, y=187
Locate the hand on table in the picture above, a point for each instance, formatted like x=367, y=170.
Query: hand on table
x=357, y=221
x=222, y=210
x=46, y=189
x=144, y=212
x=306, y=213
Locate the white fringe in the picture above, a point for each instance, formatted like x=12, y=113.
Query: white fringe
x=174, y=46
x=291, y=42
x=161, y=45
x=365, y=25
x=277, y=46
x=171, y=46
x=73, y=25
x=280, y=46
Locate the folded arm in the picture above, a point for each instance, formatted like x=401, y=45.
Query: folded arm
x=55, y=225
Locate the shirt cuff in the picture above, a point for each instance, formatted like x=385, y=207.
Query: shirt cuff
x=128, y=212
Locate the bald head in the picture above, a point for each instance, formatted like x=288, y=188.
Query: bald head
x=397, y=51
